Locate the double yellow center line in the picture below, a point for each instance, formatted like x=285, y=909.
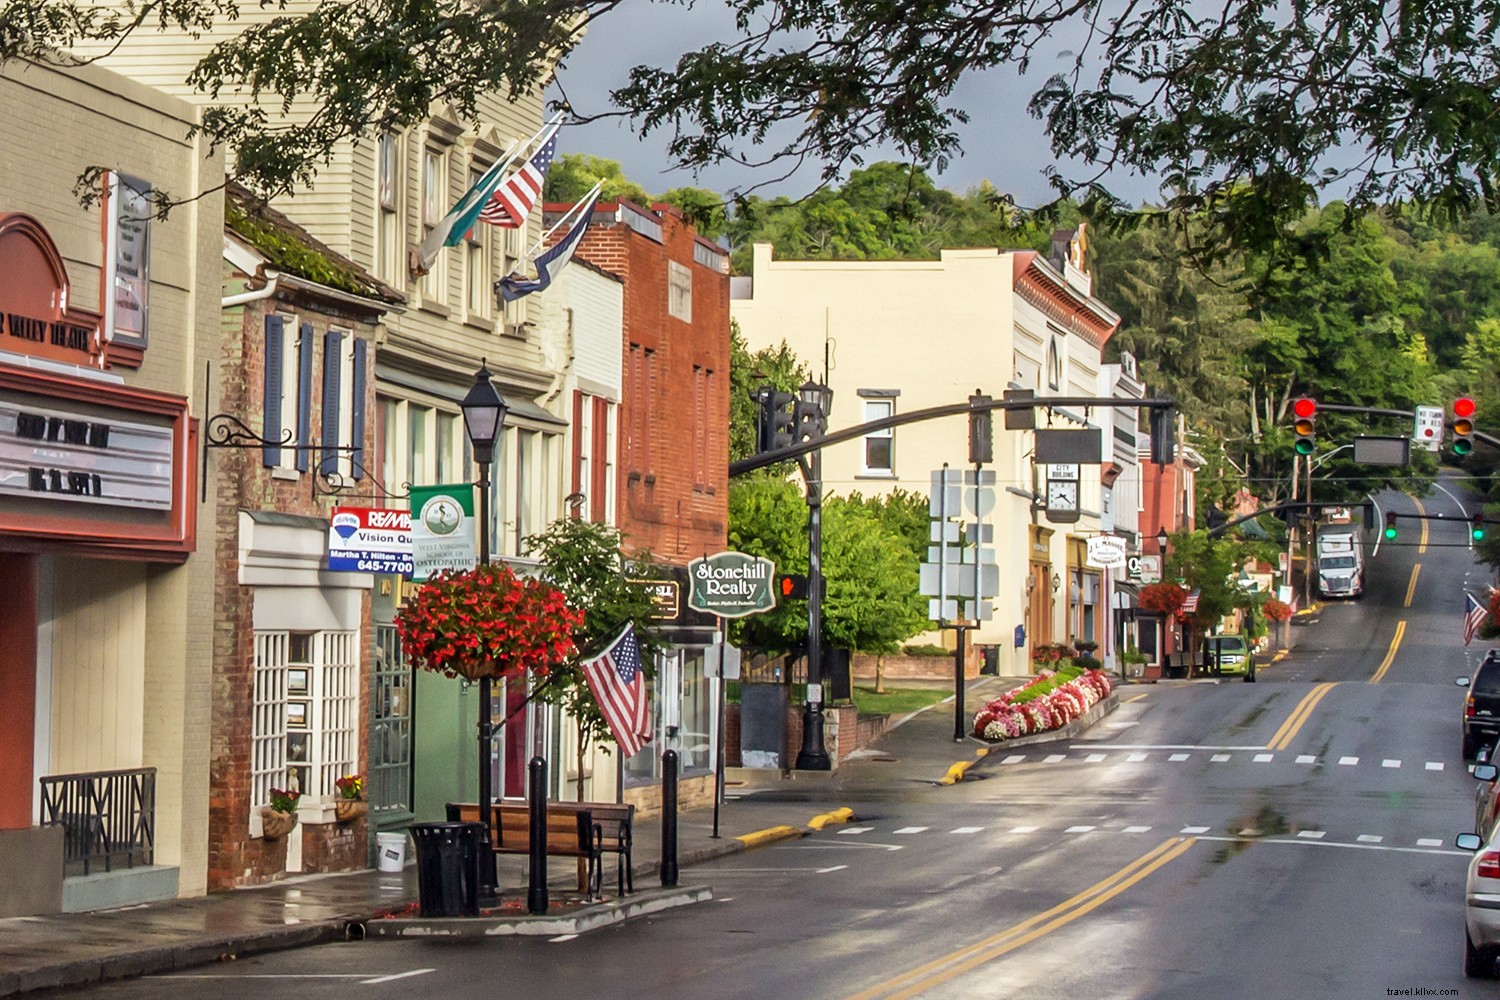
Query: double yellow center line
x=1390, y=654
x=941, y=970
x=1282, y=738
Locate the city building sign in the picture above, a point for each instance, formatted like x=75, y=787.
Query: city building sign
x=84, y=458
x=731, y=584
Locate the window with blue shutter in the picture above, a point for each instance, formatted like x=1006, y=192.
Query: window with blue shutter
x=304, y=397
x=332, y=348
x=357, y=410
x=271, y=403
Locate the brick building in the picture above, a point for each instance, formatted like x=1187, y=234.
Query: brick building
x=292, y=663
x=672, y=468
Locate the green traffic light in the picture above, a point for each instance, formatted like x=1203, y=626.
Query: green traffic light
x=1462, y=446
x=1390, y=532
x=1303, y=447
x=1477, y=534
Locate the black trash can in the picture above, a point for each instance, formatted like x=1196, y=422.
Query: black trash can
x=991, y=660
x=448, y=868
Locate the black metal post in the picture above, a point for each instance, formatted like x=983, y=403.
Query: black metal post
x=669, y=818
x=814, y=755
x=488, y=879
x=719, y=729
x=536, y=883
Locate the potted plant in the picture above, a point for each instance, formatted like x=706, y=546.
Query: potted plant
x=351, y=804
x=278, y=818
x=487, y=622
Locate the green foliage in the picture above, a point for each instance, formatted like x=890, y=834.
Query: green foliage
x=747, y=371
x=1045, y=687
x=1212, y=567
x=294, y=256
x=704, y=208
x=573, y=175
x=925, y=649
x=585, y=560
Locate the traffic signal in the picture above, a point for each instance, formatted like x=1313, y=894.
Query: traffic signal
x=1390, y=524
x=776, y=424
x=1163, y=427
x=1304, y=418
x=1476, y=532
x=1463, y=425
x=791, y=586
x=981, y=432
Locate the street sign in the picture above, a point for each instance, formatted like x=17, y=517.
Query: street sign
x=369, y=540
x=731, y=584
x=730, y=661
x=957, y=580
x=1429, y=428
x=1074, y=446
x=1143, y=569
x=1382, y=450
x=1105, y=552
x=945, y=499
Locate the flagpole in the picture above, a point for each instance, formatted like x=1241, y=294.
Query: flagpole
x=596, y=189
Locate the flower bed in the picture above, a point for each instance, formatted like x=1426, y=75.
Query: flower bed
x=1049, y=702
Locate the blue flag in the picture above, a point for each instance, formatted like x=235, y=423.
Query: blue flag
x=550, y=264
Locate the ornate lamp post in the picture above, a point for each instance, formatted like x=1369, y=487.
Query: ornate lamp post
x=814, y=402
x=484, y=413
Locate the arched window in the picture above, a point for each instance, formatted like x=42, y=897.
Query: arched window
x=1054, y=365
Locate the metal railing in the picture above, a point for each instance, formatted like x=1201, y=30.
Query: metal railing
x=108, y=818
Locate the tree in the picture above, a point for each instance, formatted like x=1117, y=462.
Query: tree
x=585, y=560
x=572, y=175
x=1246, y=110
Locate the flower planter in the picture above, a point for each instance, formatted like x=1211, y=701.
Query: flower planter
x=349, y=810
x=275, y=824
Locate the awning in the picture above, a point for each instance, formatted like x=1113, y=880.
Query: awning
x=516, y=406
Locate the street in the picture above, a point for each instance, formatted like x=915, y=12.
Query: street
x=1288, y=838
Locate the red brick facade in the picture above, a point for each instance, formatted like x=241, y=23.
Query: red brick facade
x=245, y=483
x=673, y=473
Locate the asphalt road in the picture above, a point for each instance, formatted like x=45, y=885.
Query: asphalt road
x=1289, y=838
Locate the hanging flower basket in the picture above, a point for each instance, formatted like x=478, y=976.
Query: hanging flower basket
x=275, y=824
x=487, y=622
x=349, y=810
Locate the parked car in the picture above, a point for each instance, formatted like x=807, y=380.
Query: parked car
x=1481, y=718
x=1233, y=654
x=1481, y=906
x=1486, y=801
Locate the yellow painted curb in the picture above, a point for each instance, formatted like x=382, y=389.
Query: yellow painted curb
x=955, y=772
x=841, y=815
x=769, y=836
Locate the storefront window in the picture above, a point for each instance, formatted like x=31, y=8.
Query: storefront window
x=682, y=715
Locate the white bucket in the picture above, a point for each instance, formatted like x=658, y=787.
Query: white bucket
x=390, y=848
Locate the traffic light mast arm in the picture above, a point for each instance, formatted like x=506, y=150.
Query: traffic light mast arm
x=1488, y=439
x=932, y=412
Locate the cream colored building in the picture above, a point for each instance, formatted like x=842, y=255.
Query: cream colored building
x=893, y=337
x=110, y=315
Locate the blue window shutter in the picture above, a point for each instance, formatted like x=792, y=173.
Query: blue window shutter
x=357, y=409
x=331, y=346
x=304, y=397
x=271, y=402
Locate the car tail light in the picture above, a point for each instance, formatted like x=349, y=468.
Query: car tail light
x=1489, y=865
x=1469, y=707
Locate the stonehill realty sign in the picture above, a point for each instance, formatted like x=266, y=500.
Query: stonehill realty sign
x=731, y=584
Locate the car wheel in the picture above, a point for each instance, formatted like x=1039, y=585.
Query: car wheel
x=1479, y=963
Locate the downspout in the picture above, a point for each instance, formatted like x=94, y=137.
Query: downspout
x=264, y=292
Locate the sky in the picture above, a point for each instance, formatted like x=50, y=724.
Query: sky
x=1002, y=143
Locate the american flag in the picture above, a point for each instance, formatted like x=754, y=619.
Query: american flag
x=512, y=201
x=1474, y=614
x=1190, y=606
x=620, y=688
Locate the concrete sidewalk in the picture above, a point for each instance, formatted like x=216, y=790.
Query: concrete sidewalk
x=763, y=808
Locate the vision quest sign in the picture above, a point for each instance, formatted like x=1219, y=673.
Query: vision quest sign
x=731, y=584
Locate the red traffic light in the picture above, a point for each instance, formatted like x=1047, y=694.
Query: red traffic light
x=1463, y=407
x=1305, y=408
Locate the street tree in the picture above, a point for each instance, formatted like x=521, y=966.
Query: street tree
x=586, y=560
x=573, y=175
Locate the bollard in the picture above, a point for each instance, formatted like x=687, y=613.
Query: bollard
x=669, y=818
x=536, y=884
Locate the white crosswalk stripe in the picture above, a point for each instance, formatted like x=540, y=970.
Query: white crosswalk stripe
x=1054, y=758
x=967, y=829
x=912, y=829
x=1194, y=829
x=1434, y=765
x=1428, y=842
x=1264, y=758
x=854, y=831
x=1348, y=761
x=1369, y=838
x=1219, y=758
x=1390, y=763
x=1023, y=829
x=1306, y=758
x=1080, y=829
x=1136, y=758
x=1014, y=758
x=1095, y=758
x=1179, y=757
x=1136, y=829
x=1312, y=834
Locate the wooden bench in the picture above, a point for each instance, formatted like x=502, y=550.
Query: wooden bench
x=614, y=825
x=570, y=833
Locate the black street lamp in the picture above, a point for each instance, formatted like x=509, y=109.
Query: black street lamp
x=814, y=403
x=1161, y=542
x=484, y=413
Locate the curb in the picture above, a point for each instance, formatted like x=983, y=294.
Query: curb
x=770, y=835
x=590, y=918
x=169, y=958
x=841, y=815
